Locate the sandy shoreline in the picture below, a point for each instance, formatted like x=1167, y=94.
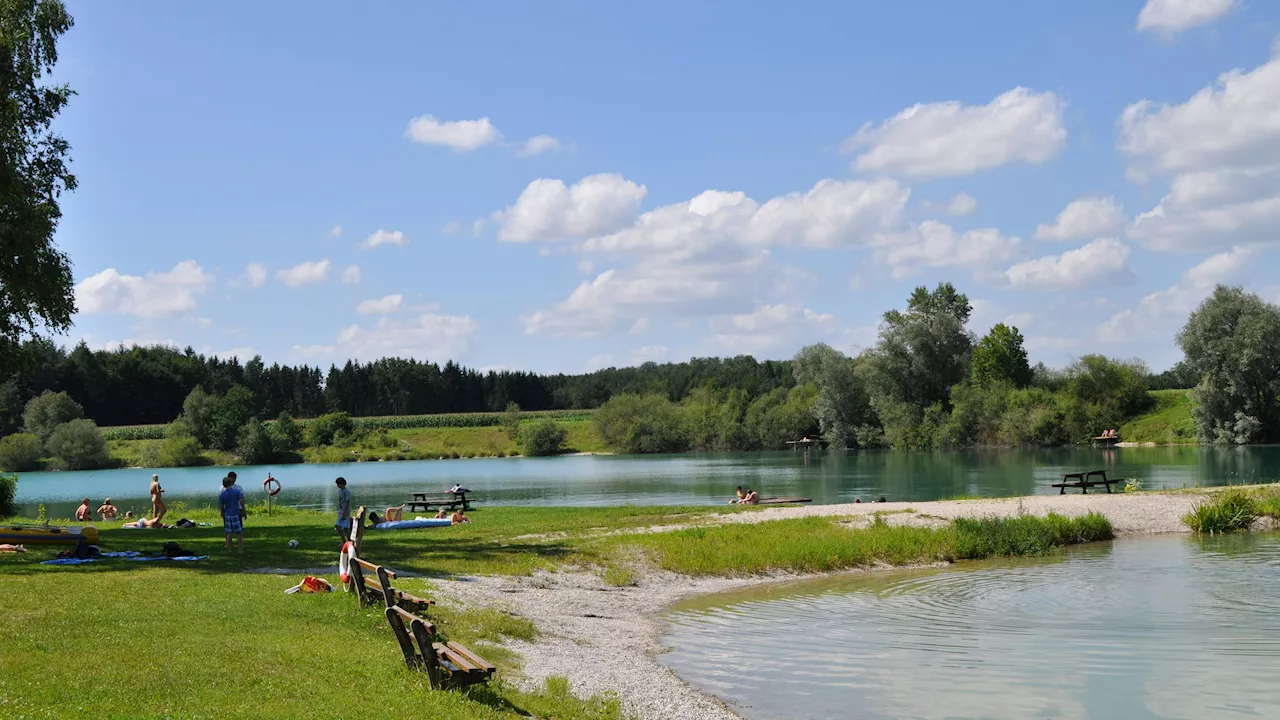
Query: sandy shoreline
x=606, y=639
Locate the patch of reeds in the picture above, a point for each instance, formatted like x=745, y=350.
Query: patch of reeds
x=812, y=545
x=1226, y=512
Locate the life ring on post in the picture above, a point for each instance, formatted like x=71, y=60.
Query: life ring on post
x=271, y=486
x=344, y=564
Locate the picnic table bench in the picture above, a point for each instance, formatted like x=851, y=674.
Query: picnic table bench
x=1085, y=480
x=423, y=502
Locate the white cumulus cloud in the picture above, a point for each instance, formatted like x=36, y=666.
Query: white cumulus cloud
x=962, y=204
x=256, y=274
x=307, y=273
x=934, y=244
x=461, y=135
x=151, y=295
x=1100, y=263
x=429, y=336
x=539, y=144
x=1174, y=16
x=548, y=210
x=384, y=237
x=951, y=139
x=351, y=275
x=381, y=306
x=1086, y=217
x=1222, y=150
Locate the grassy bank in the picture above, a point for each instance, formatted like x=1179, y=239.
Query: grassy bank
x=429, y=443
x=207, y=639
x=1233, y=510
x=1168, y=422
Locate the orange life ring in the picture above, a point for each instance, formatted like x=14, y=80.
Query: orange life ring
x=344, y=564
x=272, y=486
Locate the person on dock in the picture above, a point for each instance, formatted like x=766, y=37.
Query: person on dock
x=158, y=508
x=83, y=514
x=231, y=503
x=742, y=495
x=343, y=525
x=108, y=511
x=751, y=498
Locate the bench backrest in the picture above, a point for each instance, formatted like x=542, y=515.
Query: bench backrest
x=417, y=642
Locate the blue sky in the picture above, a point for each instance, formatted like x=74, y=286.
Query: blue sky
x=565, y=186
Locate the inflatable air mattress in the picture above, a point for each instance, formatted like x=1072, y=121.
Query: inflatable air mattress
x=410, y=524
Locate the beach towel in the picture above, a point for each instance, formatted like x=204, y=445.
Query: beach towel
x=161, y=557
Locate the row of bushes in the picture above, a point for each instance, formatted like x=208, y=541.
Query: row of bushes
x=54, y=429
x=405, y=422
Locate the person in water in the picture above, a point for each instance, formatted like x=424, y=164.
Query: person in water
x=83, y=514
x=108, y=511
x=158, y=508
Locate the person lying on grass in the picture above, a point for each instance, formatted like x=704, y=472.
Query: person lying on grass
x=146, y=524
x=457, y=518
x=442, y=514
x=108, y=511
x=231, y=503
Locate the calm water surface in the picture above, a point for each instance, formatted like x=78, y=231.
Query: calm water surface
x=1166, y=627
x=673, y=480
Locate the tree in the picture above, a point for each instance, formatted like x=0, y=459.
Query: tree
x=511, y=421
x=253, y=444
x=842, y=405
x=632, y=423
x=999, y=357
x=233, y=412
x=35, y=277
x=1232, y=342
x=78, y=444
x=286, y=433
x=198, y=411
x=324, y=429
x=545, y=437
x=921, y=354
x=46, y=412
x=20, y=452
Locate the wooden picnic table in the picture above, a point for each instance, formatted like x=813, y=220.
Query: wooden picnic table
x=424, y=501
x=1085, y=480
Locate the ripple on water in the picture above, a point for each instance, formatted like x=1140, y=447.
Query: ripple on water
x=1164, y=627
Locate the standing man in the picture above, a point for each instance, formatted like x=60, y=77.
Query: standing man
x=231, y=503
x=158, y=508
x=343, y=525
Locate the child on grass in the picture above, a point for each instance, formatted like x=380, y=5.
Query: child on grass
x=231, y=503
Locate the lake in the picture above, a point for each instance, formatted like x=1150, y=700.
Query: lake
x=672, y=479
x=1167, y=627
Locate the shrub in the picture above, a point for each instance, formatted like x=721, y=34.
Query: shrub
x=1231, y=511
x=511, y=421
x=180, y=451
x=45, y=413
x=634, y=423
x=8, y=491
x=78, y=444
x=286, y=434
x=325, y=429
x=253, y=444
x=546, y=437
x=21, y=452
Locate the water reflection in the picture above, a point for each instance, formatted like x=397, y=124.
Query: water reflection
x=1152, y=628
x=676, y=480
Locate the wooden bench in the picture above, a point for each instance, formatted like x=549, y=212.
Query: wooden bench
x=447, y=664
x=423, y=502
x=1084, y=481
x=372, y=584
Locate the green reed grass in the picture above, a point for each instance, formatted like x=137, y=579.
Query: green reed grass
x=1230, y=511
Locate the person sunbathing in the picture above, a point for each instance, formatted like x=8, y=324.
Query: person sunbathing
x=108, y=511
x=146, y=524
x=457, y=518
x=442, y=514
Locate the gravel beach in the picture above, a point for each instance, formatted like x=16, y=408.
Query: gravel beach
x=606, y=639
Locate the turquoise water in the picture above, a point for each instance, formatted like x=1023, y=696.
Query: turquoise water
x=672, y=480
x=1169, y=627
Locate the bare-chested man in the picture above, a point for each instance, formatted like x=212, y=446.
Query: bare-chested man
x=158, y=508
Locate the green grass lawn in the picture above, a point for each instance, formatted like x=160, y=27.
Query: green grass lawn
x=1169, y=422
x=409, y=444
x=207, y=639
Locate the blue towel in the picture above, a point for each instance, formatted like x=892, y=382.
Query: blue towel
x=122, y=553
x=67, y=561
x=161, y=557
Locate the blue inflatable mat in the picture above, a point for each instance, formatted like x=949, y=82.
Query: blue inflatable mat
x=410, y=524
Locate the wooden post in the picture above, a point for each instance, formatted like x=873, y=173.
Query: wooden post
x=426, y=648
